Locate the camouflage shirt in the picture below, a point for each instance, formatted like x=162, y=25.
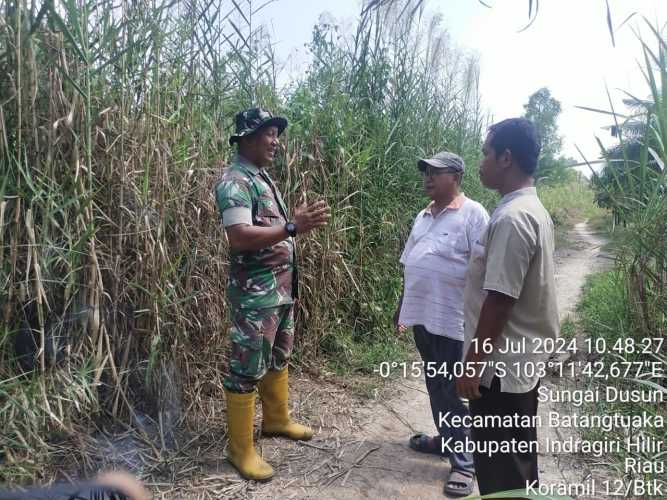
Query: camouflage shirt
x=262, y=278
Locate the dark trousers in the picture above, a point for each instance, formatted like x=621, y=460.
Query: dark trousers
x=439, y=350
x=504, y=471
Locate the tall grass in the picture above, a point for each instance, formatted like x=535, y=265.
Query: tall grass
x=634, y=185
x=105, y=171
x=368, y=112
x=114, y=119
x=630, y=302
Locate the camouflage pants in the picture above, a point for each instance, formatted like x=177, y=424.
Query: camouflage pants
x=262, y=339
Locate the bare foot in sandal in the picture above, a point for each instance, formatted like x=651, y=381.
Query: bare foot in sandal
x=427, y=444
x=460, y=483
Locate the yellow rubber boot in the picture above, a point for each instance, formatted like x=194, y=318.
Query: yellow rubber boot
x=276, y=420
x=242, y=454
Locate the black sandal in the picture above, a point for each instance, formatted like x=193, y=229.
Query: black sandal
x=426, y=444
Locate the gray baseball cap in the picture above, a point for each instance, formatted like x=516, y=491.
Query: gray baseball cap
x=444, y=159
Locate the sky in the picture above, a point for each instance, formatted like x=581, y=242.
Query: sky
x=567, y=49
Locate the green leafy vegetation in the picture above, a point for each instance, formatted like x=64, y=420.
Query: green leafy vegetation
x=608, y=318
x=571, y=201
x=628, y=305
x=543, y=110
x=568, y=328
x=114, y=121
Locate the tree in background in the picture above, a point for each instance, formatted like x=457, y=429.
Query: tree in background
x=543, y=110
x=629, y=163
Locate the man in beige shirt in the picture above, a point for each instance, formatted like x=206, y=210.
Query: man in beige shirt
x=510, y=308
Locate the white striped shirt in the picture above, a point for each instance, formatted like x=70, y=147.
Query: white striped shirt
x=435, y=261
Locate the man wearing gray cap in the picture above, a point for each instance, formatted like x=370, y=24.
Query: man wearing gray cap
x=435, y=261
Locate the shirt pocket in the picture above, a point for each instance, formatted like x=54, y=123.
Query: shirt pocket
x=451, y=244
x=268, y=214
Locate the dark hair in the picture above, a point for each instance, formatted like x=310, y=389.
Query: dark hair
x=519, y=136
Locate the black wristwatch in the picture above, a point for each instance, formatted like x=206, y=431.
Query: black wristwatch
x=290, y=228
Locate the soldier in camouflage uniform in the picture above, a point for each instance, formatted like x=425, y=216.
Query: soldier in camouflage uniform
x=262, y=288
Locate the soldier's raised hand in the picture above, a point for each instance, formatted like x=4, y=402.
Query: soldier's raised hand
x=309, y=217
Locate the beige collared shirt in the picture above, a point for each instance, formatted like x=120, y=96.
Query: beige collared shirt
x=515, y=257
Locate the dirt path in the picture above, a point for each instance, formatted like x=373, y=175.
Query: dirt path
x=360, y=448
x=580, y=257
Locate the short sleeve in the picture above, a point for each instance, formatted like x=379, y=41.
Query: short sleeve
x=479, y=221
x=510, y=247
x=410, y=243
x=237, y=215
x=232, y=194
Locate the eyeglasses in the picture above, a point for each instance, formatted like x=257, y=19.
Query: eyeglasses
x=433, y=172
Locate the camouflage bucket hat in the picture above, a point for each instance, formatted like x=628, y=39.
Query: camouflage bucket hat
x=444, y=159
x=251, y=120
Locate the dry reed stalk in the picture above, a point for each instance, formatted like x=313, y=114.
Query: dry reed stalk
x=40, y=294
x=127, y=222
